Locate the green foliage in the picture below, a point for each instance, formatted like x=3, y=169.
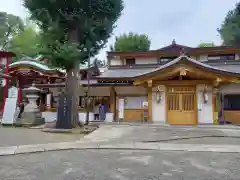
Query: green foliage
x=26, y=43
x=10, y=25
x=206, y=45
x=230, y=28
x=131, y=42
x=73, y=30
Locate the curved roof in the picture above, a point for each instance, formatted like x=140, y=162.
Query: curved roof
x=192, y=61
x=33, y=64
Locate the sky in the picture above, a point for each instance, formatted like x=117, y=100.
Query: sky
x=189, y=22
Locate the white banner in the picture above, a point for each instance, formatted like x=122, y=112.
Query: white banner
x=121, y=108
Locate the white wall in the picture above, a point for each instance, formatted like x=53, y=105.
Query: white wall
x=205, y=111
x=146, y=60
x=230, y=89
x=134, y=102
x=203, y=58
x=115, y=62
x=159, y=109
x=237, y=57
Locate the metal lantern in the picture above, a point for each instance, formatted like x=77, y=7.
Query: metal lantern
x=158, y=95
x=205, y=95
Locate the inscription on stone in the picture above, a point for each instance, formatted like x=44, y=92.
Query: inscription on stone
x=64, y=112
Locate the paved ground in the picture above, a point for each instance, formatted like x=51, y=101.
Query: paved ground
x=120, y=165
x=123, y=134
x=10, y=136
x=192, y=153
x=119, y=134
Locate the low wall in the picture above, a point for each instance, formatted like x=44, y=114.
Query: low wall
x=52, y=116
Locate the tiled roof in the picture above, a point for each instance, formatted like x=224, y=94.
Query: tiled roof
x=130, y=73
x=124, y=73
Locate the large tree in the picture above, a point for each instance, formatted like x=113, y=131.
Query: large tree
x=230, y=28
x=131, y=42
x=206, y=45
x=26, y=43
x=10, y=25
x=73, y=31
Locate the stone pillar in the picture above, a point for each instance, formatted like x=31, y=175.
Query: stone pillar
x=48, y=102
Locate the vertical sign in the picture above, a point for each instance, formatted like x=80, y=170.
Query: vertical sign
x=121, y=108
x=64, y=112
x=13, y=92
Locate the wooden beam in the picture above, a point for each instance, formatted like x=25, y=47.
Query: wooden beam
x=113, y=101
x=149, y=82
x=149, y=103
x=182, y=82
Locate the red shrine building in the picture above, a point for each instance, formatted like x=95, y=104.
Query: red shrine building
x=5, y=60
x=176, y=84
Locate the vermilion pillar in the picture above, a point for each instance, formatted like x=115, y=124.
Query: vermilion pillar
x=19, y=90
x=5, y=89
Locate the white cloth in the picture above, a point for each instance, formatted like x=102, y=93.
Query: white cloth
x=96, y=109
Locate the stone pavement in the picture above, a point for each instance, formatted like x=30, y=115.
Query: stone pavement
x=10, y=136
x=141, y=138
x=121, y=165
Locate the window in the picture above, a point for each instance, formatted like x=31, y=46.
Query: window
x=224, y=57
x=130, y=61
x=232, y=102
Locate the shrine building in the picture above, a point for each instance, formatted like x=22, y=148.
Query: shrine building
x=176, y=85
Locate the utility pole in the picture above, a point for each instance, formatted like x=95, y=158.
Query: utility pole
x=88, y=89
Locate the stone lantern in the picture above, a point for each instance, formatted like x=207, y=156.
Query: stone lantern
x=32, y=115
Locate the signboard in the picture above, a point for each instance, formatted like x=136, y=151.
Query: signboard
x=13, y=92
x=121, y=108
x=64, y=112
x=145, y=104
x=9, y=113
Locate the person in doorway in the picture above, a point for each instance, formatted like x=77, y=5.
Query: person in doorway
x=96, y=112
x=102, y=112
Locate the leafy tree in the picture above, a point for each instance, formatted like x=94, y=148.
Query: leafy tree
x=74, y=31
x=10, y=25
x=230, y=28
x=206, y=45
x=26, y=43
x=131, y=42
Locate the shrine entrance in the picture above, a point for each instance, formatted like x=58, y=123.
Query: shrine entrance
x=181, y=105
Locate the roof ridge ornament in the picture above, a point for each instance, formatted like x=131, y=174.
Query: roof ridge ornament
x=173, y=42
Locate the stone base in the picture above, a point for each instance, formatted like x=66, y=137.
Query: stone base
x=52, y=130
x=31, y=119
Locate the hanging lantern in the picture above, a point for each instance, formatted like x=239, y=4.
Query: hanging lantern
x=205, y=95
x=158, y=95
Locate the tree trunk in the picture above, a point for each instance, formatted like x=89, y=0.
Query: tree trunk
x=72, y=82
x=72, y=90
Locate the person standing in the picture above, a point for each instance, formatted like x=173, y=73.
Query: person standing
x=102, y=112
x=96, y=112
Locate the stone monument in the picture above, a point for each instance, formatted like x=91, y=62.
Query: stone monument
x=31, y=115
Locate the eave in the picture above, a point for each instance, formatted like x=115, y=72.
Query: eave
x=7, y=54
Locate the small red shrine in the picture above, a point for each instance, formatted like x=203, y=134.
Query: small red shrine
x=5, y=60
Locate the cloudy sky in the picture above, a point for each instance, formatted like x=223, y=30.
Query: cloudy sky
x=189, y=22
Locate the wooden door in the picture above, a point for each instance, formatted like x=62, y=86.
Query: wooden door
x=181, y=105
